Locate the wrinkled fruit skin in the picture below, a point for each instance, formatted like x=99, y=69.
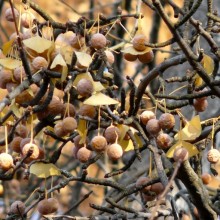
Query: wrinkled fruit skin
x=167, y=121
x=139, y=42
x=164, y=141
x=213, y=156
x=6, y=161
x=114, y=151
x=180, y=154
x=99, y=143
x=153, y=127
x=98, y=41
x=17, y=207
x=83, y=154
x=146, y=116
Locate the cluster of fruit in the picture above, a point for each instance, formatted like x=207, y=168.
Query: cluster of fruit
x=156, y=128
x=139, y=51
x=99, y=143
x=21, y=144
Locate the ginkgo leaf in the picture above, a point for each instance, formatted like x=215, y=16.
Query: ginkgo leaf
x=132, y=51
x=100, y=99
x=192, y=150
x=16, y=110
x=44, y=170
x=58, y=60
x=97, y=86
x=123, y=130
x=82, y=130
x=10, y=63
x=191, y=131
x=128, y=145
x=208, y=64
x=6, y=47
x=84, y=59
x=38, y=44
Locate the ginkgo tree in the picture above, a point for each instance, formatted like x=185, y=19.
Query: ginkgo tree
x=73, y=114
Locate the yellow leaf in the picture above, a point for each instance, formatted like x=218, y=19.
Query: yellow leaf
x=84, y=59
x=208, y=64
x=123, y=130
x=64, y=73
x=16, y=110
x=67, y=52
x=58, y=60
x=10, y=63
x=82, y=129
x=132, y=51
x=126, y=145
x=190, y=148
x=100, y=99
x=191, y=131
x=38, y=44
x=7, y=47
x=97, y=86
x=44, y=170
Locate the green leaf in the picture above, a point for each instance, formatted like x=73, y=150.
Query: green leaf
x=44, y=170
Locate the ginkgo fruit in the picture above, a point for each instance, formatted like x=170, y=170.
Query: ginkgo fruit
x=139, y=42
x=114, y=151
x=6, y=77
x=17, y=208
x=69, y=109
x=87, y=110
x=6, y=161
x=111, y=134
x=206, y=178
x=9, y=15
x=130, y=57
x=153, y=127
x=54, y=204
x=47, y=206
x=213, y=156
x=19, y=74
x=69, y=124
x=31, y=147
x=77, y=140
x=98, y=41
x=59, y=129
x=84, y=87
x=167, y=121
x=83, y=154
x=110, y=57
x=27, y=19
x=180, y=154
x=15, y=144
x=141, y=181
x=146, y=57
x=21, y=131
x=146, y=116
x=164, y=141
x=77, y=41
x=39, y=63
x=98, y=143
x=200, y=105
